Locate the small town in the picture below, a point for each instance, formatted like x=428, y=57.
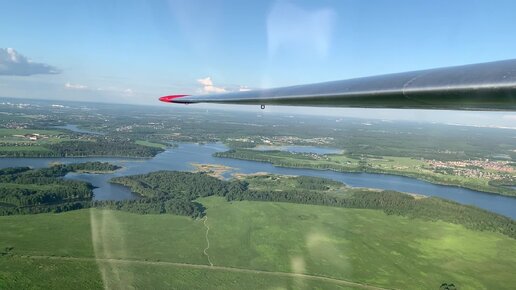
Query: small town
x=476, y=168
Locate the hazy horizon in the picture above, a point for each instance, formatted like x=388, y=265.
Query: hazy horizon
x=495, y=119
x=134, y=52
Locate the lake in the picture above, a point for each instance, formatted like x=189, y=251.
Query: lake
x=181, y=157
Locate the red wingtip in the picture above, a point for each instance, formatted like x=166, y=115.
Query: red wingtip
x=169, y=99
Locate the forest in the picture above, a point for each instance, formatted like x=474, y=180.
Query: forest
x=26, y=191
x=123, y=148
x=169, y=192
x=175, y=192
x=83, y=148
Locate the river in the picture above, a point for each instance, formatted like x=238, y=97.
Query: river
x=181, y=157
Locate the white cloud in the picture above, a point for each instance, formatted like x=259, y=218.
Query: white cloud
x=208, y=87
x=107, y=90
x=205, y=81
x=14, y=64
x=75, y=86
x=509, y=117
x=291, y=28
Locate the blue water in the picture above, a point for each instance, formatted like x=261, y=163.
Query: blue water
x=180, y=158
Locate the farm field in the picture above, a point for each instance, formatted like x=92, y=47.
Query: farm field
x=366, y=247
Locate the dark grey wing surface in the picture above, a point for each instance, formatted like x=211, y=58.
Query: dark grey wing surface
x=485, y=86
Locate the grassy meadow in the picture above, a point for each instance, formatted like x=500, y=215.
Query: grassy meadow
x=252, y=245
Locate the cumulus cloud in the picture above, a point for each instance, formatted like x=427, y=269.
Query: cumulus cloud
x=108, y=90
x=75, y=86
x=292, y=28
x=205, y=81
x=14, y=64
x=208, y=87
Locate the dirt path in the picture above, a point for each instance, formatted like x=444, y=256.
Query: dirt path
x=214, y=268
x=207, y=241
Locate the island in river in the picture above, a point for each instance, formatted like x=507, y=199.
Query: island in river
x=481, y=175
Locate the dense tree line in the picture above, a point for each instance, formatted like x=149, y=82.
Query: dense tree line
x=177, y=184
x=82, y=148
x=26, y=190
x=48, y=175
x=169, y=192
x=504, y=182
x=51, y=208
x=102, y=147
x=58, y=192
x=315, y=183
x=155, y=206
x=13, y=170
x=93, y=166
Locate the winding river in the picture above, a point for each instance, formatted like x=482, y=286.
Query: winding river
x=181, y=157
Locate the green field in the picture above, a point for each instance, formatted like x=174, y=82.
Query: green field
x=10, y=132
x=141, y=275
x=150, y=144
x=91, y=248
x=13, y=143
x=13, y=136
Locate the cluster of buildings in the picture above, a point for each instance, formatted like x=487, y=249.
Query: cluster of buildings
x=284, y=140
x=15, y=125
x=476, y=168
x=128, y=128
x=32, y=137
x=152, y=125
x=292, y=140
x=16, y=105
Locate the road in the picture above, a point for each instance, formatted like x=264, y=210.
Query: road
x=211, y=268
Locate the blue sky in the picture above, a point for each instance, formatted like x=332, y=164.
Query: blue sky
x=134, y=51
